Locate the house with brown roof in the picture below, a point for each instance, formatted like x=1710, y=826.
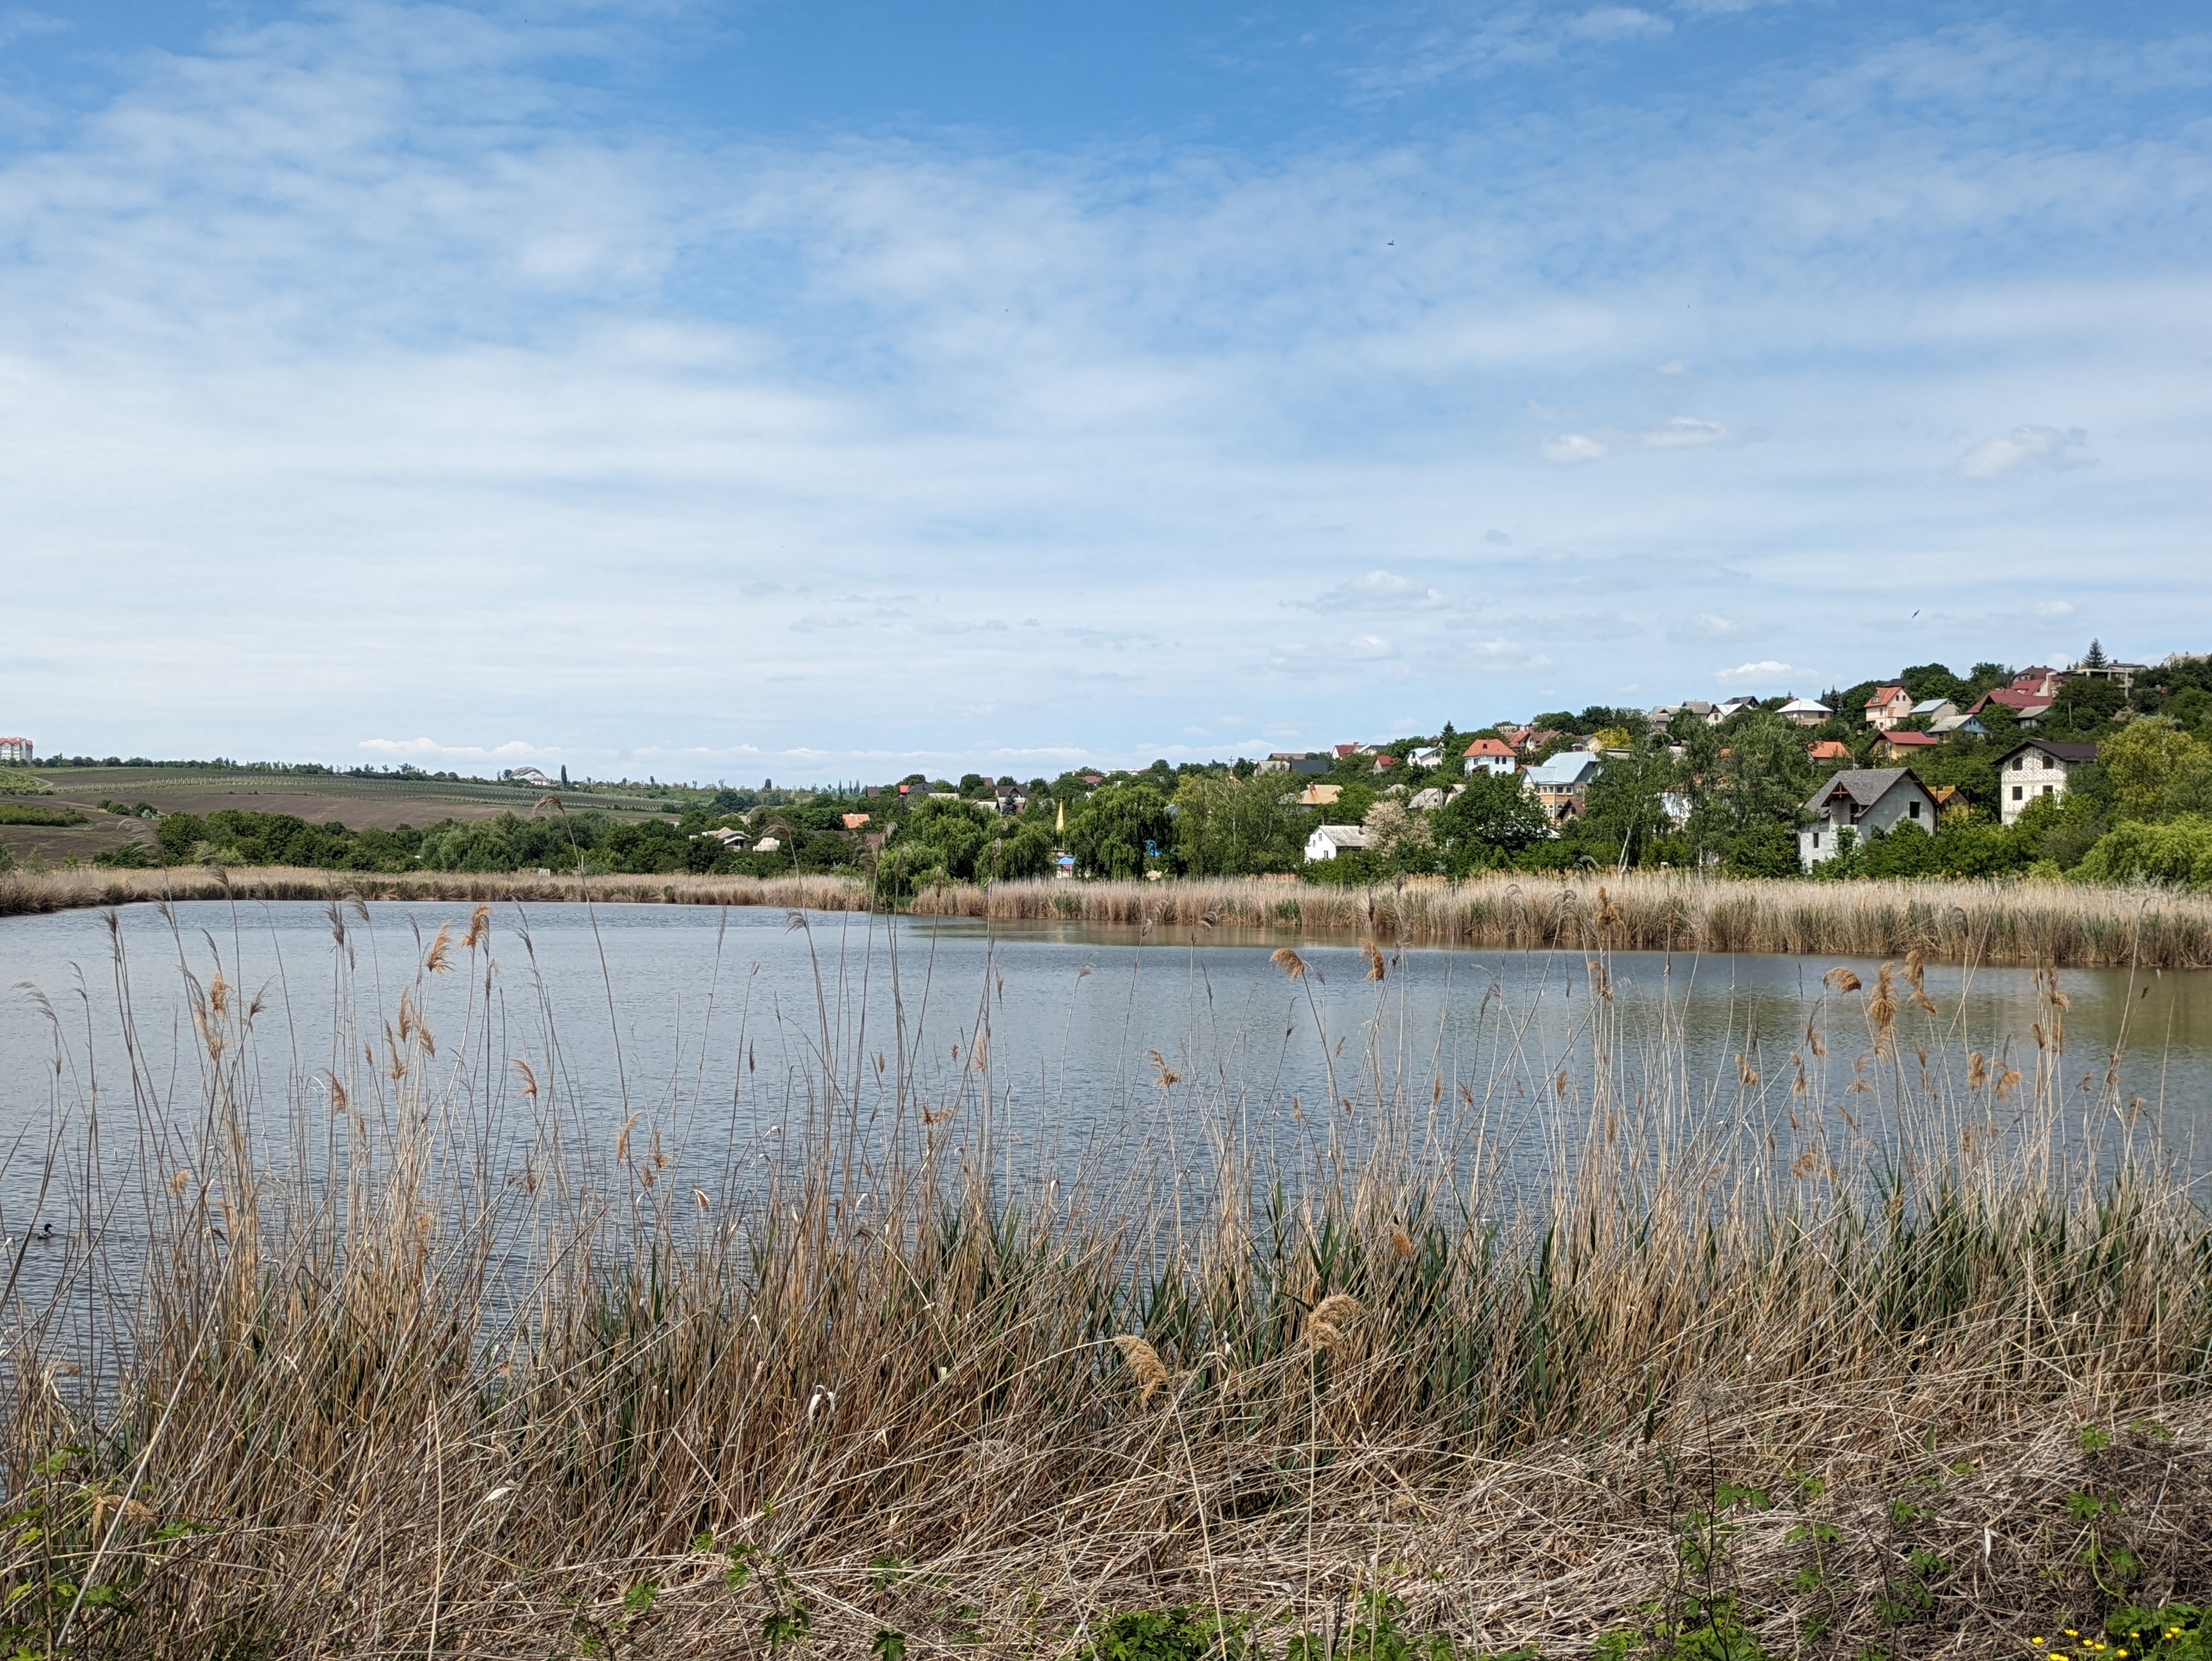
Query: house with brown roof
x=1887, y=707
x=2027, y=706
x=2037, y=769
x=1863, y=800
x=1488, y=756
x=1902, y=745
x=1828, y=749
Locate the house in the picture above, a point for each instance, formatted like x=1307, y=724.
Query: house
x=1661, y=715
x=1012, y=798
x=2027, y=706
x=18, y=751
x=855, y=821
x=1294, y=760
x=1926, y=712
x=1562, y=784
x=1384, y=761
x=729, y=835
x=1950, y=801
x=1427, y=756
x=1435, y=796
x=1345, y=751
x=1540, y=738
x=1094, y=780
x=1887, y=707
x=2124, y=673
x=1728, y=707
x=1328, y=841
x=767, y=845
x=1904, y=743
x=1320, y=795
x=2042, y=681
x=1805, y=712
x=1829, y=750
x=1489, y=756
x=1969, y=725
x=1863, y=799
x=1675, y=805
x=2039, y=767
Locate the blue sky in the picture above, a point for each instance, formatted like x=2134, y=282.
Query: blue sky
x=835, y=390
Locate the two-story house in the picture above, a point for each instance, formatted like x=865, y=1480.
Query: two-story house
x=1488, y=756
x=1863, y=799
x=2036, y=768
x=1887, y=707
x=1561, y=785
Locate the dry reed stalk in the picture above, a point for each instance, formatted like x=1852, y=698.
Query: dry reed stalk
x=448, y=1407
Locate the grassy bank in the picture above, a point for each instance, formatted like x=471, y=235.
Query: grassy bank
x=2031, y=924
x=1867, y=1355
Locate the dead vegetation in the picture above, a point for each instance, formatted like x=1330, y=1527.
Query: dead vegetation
x=1881, y=1351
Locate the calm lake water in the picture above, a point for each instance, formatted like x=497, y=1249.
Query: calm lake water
x=1049, y=1050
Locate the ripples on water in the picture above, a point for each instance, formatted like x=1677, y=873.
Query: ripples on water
x=711, y=1045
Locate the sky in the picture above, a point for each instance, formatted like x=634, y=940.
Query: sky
x=837, y=390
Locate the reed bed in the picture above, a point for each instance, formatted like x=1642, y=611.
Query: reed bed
x=2028, y=924
x=1888, y=1348
x=2032, y=924
x=28, y=892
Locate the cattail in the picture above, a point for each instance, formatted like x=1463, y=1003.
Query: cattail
x=1373, y=953
x=439, y=958
x=1401, y=1244
x=1144, y=1361
x=1325, y=1325
x=1289, y=962
x=479, y=928
x=529, y=1079
x=1840, y=979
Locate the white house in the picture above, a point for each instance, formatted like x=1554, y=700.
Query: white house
x=1328, y=840
x=1805, y=712
x=1428, y=756
x=1489, y=756
x=1864, y=800
x=1561, y=783
x=1435, y=796
x=1728, y=707
x=18, y=751
x=2037, y=768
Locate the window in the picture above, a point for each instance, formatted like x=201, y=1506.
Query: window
x=1816, y=839
x=2019, y=764
x=1913, y=808
x=2046, y=789
x=2017, y=793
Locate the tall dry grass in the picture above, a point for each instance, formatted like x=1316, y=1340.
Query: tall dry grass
x=440, y=1393
x=23, y=893
x=2025, y=923
x=2031, y=924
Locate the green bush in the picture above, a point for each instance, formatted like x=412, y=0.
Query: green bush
x=2178, y=851
x=14, y=812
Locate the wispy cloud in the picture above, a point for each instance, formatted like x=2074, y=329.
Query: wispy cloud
x=1767, y=671
x=2025, y=447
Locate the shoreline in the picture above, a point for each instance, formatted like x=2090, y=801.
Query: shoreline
x=2021, y=924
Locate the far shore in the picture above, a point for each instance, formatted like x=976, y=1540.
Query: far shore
x=2034, y=924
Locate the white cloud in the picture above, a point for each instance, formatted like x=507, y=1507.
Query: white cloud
x=1618, y=23
x=1574, y=446
x=2024, y=447
x=1377, y=590
x=1765, y=672
x=1684, y=432
x=514, y=748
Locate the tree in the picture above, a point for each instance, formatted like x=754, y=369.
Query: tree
x=2083, y=705
x=1398, y=839
x=1487, y=823
x=1108, y=836
x=2155, y=770
x=1229, y=826
x=2094, y=658
x=1625, y=807
x=1741, y=792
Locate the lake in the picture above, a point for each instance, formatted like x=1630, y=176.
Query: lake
x=1057, y=1053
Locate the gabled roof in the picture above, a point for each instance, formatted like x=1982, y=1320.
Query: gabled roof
x=1488, y=747
x=2014, y=698
x=1929, y=706
x=2057, y=749
x=1571, y=767
x=1805, y=706
x=1865, y=786
x=1829, y=750
x=1911, y=741
x=1344, y=836
x=1883, y=695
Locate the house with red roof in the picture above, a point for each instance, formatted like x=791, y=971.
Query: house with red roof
x=1488, y=756
x=1886, y=707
